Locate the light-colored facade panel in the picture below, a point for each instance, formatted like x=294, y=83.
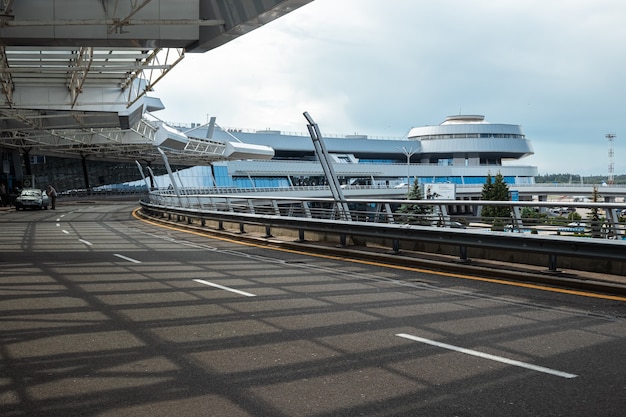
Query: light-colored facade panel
x=196, y=25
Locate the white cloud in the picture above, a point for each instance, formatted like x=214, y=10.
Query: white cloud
x=379, y=68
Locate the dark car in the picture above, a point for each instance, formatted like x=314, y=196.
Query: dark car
x=31, y=198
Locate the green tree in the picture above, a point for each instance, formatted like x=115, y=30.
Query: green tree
x=415, y=213
x=495, y=189
x=596, y=222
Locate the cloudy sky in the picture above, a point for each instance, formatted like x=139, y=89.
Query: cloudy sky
x=556, y=67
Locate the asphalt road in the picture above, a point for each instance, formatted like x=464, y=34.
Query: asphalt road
x=102, y=314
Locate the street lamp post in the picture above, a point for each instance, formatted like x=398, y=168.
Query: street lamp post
x=408, y=152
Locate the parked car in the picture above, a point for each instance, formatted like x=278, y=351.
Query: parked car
x=31, y=198
x=562, y=210
x=456, y=225
x=577, y=224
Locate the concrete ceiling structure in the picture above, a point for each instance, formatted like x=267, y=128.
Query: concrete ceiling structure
x=75, y=74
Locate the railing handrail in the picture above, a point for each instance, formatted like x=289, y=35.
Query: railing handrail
x=552, y=246
x=471, y=203
x=319, y=215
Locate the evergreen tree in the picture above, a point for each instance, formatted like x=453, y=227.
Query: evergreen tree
x=596, y=222
x=487, y=188
x=415, y=213
x=495, y=190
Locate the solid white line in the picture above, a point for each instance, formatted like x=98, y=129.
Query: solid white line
x=127, y=258
x=212, y=284
x=487, y=356
x=85, y=242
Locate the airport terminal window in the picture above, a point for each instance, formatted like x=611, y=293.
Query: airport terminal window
x=490, y=161
x=470, y=136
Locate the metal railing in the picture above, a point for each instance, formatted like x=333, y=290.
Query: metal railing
x=545, y=228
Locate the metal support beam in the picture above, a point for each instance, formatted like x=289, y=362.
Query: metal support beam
x=142, y=174
x=6, y=80
x=389, y=213
x=6, y=9
x=327, y=166
x=26, y=158
x=153, y=69
x=79, y=68
x=171, y=175
x=153, y=183
x=83, y=159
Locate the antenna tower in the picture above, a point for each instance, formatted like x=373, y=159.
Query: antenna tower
x=611, y=137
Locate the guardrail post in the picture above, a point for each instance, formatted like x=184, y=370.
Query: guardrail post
x=463, y=253
x=396, y=246
x=552, y=263
x=300, y=236
x=268, y=231
x=241, y=228
x=220, y=225
x=342, y=239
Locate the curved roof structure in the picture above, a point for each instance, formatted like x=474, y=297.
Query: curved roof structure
x=457, y=137
x=74, y=76
x=453, y=151
x=471, y=135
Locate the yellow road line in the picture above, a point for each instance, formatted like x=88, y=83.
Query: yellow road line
x=387, y=265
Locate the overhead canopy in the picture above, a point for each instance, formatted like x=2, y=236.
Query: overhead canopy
x=74, y=76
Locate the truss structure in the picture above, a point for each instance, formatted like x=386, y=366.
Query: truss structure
x=76, y=81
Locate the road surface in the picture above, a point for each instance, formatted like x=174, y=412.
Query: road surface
x=105, y=315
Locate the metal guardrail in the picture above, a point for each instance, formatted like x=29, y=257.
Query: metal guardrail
x=381, y=219
x=103, y=193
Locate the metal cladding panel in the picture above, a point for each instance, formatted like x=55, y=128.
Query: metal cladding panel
x=88, y=23
x=490, y=145
x=285, y=168
x=240, y=17
x=287, y=142
x=466, y=128
x=197, y=25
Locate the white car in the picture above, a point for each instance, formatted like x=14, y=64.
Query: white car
x=577, y=224
x=31, y=198
x=562, y=210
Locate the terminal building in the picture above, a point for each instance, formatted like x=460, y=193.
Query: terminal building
x=463, y=149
